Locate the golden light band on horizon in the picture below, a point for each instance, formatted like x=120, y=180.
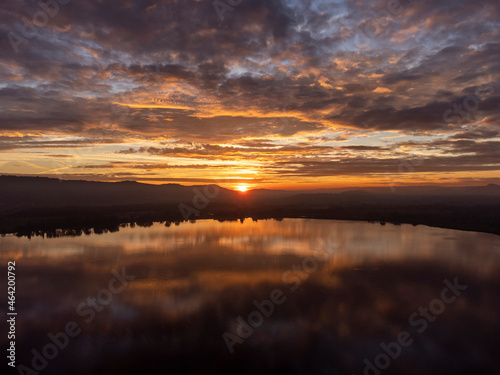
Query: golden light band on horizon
x=342, y=107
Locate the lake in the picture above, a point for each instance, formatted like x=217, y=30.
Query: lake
x=297, y=296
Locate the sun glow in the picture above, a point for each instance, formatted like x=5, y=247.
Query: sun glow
x=242, y=187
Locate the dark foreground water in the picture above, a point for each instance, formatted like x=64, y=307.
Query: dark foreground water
x=269, y=297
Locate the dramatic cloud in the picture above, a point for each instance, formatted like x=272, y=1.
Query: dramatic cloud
x=278, y=92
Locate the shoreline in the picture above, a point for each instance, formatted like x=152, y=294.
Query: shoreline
x=60, y=227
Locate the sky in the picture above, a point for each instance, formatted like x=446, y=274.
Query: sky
x=276, y=94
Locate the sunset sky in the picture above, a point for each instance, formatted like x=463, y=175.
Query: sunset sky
x=261, y=93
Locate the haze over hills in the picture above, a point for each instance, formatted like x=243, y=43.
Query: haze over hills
x=29, y=204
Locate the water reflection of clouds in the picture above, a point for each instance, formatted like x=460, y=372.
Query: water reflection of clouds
x=357, y=242
x=193, y=280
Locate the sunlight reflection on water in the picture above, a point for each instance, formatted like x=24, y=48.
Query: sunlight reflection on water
x=193, y=280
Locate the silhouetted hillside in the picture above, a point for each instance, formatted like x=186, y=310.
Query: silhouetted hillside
x=31, y=205
x=19, y=193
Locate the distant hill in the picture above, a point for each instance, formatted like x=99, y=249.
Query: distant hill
x=24, y=192
x=31, y=204
x=19, y=193
x=41, y=192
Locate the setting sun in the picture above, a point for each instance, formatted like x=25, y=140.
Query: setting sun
x=213, y=159
x=242, y=187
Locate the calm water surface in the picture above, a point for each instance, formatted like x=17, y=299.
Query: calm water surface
x=297, y=296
